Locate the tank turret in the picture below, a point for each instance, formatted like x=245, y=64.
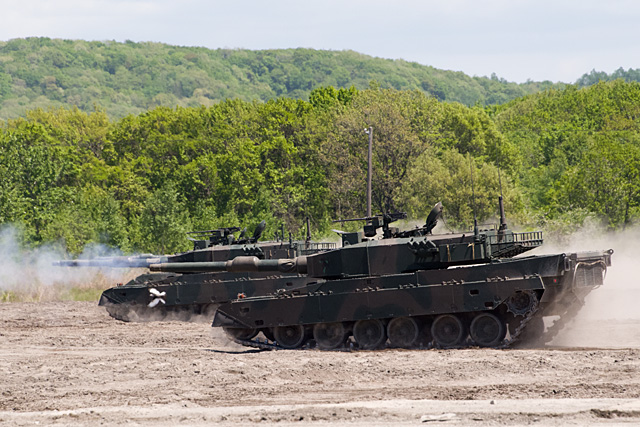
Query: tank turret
x=381, y=257
x=211, y=245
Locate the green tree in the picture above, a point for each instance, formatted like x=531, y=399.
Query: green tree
x=606, y=182
x=447, y=177
x=164, y=221
x=403, y=127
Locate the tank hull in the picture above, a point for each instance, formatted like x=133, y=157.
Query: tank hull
x=512, y=290
x=158, y=295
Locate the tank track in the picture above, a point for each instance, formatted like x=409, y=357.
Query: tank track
x=266, y=344
x=127, y=313
x=130, y=313
x=520, y=328
x=559, y=324
x=118, y=313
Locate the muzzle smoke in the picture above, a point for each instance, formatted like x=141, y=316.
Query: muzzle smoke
x=28, y=275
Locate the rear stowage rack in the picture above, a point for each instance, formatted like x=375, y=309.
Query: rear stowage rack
x=512, y=244
x=309, y=248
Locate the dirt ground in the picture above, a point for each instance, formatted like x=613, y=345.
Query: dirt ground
x=71, y=364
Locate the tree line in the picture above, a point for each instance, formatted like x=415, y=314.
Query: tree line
x=140, y=182
x=131, y=78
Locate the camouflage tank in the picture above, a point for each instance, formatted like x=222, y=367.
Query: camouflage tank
x=153, y=296
x=410, y=289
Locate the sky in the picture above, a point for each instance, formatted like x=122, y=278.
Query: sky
x=518, y=40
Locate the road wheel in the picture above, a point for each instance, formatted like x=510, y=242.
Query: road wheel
x=447, y=330
x=329, y=335
x=403, y=332
x=369, y=334
x=487, y=330
x=291, y=336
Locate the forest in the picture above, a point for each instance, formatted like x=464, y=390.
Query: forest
x=131, y=78
x=561, y=157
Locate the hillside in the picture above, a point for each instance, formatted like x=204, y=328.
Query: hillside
x=580, y=150
x=130, y=78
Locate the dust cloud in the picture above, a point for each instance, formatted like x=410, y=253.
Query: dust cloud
x=223, y=342
x=611, y=315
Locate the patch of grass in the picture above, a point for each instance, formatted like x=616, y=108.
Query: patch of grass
x=7, y=296
x=82, y=288
x=84, y=294
x=40, y=293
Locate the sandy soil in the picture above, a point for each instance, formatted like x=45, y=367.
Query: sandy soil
x=71, y=364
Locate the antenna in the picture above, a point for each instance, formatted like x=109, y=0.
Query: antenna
x=499, y=178
x=473, y=193
x=503, y=219
x=370, y=155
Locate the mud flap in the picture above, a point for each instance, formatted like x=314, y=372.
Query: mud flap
x=223, y=320
x=105, y=300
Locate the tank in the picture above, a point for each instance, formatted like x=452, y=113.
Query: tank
x=210, y=245
x=183, y=294
x=410, y=289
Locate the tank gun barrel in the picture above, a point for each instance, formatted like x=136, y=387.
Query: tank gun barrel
x=236, y=265
x=113, y=262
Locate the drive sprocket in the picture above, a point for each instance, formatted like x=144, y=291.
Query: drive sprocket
x=522, y=303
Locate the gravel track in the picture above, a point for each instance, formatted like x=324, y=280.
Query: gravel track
x=71, y=364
